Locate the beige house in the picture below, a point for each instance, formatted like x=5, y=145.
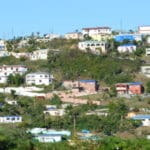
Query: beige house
x=73, y=35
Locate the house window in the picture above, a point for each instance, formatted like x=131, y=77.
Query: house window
x=5, y=73
x=11, y=68
x=16, y=69
x=7, y=118
x=40, y=80
x=12, y=119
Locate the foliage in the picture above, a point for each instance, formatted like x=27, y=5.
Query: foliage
x=16, y=80
x=74, y=64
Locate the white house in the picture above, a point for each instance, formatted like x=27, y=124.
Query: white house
x=10, y=119
x=4, y=53
x=39, y=78
x=144, y=118
x=51, y=138
x=73, y=35
x=146, y=70
x=39, y=54
x=54, y=112
x=129, y=48
x=147, y=51
x=2, y=45
x=11, y=102
x=96, y=47
x=6, y=70
x=96, y=30
x=19, y=55
x=145, y=30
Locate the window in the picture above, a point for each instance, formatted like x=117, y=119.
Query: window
x=7, y=118
x=40, y=80
x=12, y=119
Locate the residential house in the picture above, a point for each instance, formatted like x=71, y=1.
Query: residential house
x=54, y=112
x=10, y=119
x=129, y=48
x=70, y=84
x=2, y=45
x=88, y=85
x=11, y=102
x=48, y=138
x=95, y=47
x=73, y=35
x=144, y=118
x=146, y=70
x=129, y=37
x=147, y=51
x=145, y=30
x=39, y=78
x=41, y=54
x=4, y=53
x=129, y=88
x=48, y=135
x=96, y=30
x=97, y=33
x=6, y=70
x=82, y=85
x=19, y=55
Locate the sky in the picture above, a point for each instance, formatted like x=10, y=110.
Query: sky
x=22, y=17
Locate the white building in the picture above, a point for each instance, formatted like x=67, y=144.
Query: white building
x=96, y=30
x=52, y=36
x=146, y=70
x=73, y=35
x=144, y=30
x=11, y=102
x=2, y=45
x=147, y=51
x=19, y=55
x=4, y=53
x=39, y=78
x=10, y=119
x=96, y=47
x=39, y=54
x=48, y=138
x=129, y=48
x=54, y=112
x=145, y=119
x=6, y=70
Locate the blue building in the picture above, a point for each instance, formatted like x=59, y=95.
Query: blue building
x=130, y=37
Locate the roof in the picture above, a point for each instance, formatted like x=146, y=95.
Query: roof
x=47, y=135
x=35, y=73
x=13, y=66
x=131, y=83
x=87, y=80
x=127, y=45
x=10, y=116
x=140, y=117
x=93, y=42
x=95, y=28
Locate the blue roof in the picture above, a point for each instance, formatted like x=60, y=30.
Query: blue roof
x=121, y=38
x=135, y=83
x=11, y=116
x=87, y=80
x=128, y=44
x=140, y=117
x=85, y=131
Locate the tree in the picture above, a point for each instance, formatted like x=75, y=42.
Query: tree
x=148, y=87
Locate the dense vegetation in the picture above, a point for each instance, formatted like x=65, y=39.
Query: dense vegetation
x=74, y=64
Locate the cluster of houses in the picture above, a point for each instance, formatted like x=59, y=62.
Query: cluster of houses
x=37, y=78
